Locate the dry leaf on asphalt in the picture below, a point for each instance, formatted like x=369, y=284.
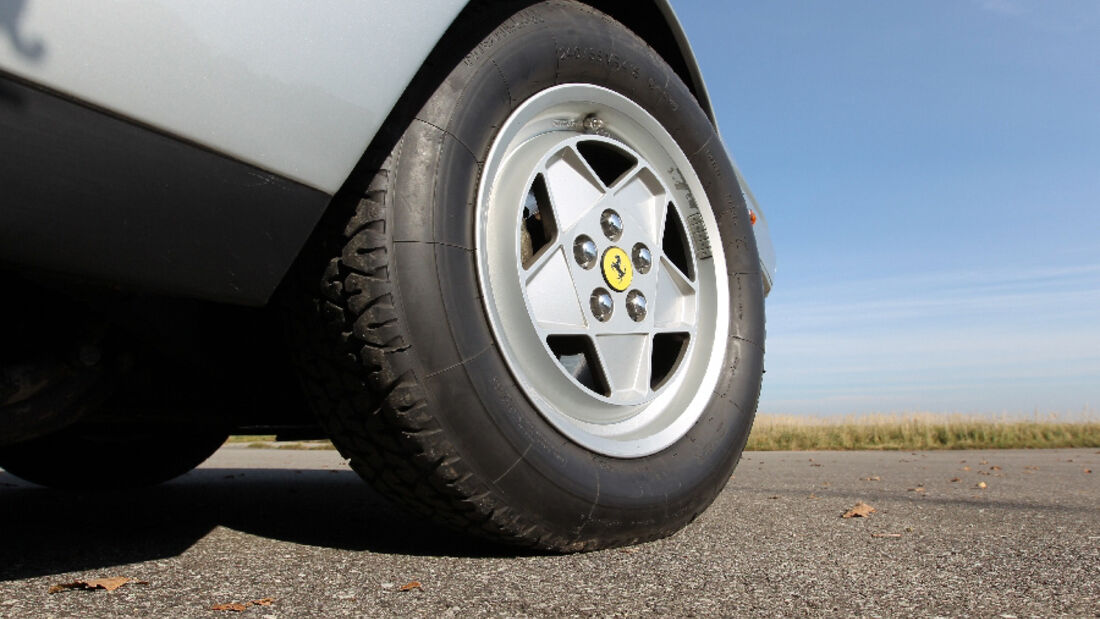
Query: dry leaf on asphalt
x=966, y=468
x=872, y=478
x=1088, y=470
x=917, y=489
x=109, y=584
x=890, y=535
x=238, y=607
x=994, y=468
x=981, y=484
x=955, y=479
x=411, y=585
x=859, y=510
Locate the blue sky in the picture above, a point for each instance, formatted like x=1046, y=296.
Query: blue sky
x=931, y=175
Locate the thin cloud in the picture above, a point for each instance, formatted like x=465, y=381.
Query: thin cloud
x=998, y=340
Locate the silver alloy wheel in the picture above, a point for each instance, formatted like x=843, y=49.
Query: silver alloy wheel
x=577, y=165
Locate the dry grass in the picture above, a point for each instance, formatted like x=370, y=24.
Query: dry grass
x=882, y=432
x=919, y=431
x=267, y=441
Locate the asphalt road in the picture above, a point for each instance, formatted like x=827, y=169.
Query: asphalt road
x=300, y=528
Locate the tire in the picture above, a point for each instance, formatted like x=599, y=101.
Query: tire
x=433, y=357
x=109, y=457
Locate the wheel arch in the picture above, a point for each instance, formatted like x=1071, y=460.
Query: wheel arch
x=656, y=22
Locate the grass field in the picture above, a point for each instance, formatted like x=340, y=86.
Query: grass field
x=918, y=431
x=902, y=432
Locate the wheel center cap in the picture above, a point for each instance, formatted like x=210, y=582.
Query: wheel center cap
x=617, y=270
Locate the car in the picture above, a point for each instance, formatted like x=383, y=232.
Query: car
x=497, y=252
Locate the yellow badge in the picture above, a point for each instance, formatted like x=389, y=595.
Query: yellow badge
x=617, y=269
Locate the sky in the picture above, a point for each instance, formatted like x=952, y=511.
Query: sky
x=930, y=172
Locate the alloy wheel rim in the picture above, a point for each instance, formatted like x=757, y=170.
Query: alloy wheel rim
x=608, y=301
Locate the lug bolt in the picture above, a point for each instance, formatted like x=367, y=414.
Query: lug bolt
x=612, y=224
x=592, y=124
x=585, y=251
x=602, y=305
x=643, y=259
x=636, y=305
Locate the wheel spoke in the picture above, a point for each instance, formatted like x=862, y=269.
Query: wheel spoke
x=674, y=306
x=626, y=360
x=574, y=188
x=552, y=294
x=640, y=197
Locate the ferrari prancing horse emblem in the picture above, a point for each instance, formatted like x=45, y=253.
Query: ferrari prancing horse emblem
x=617, y=270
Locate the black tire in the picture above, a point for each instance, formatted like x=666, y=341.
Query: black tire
x=98, y=456
x=402, y=363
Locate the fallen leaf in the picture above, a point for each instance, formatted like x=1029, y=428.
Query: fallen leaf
x=984, y=462
x=108, y=584
x=983, y=472
x=1031, y=468
x=238, y=607
x=917, y=489
x=872, y=478
x=813, y=496
x=891, y=535
x=994, y=468
x=774, y=497
x=411, y=585
x=981, y=484
x=859, y=510
x=966, y=468
x=1088, y=470
x=955, y=479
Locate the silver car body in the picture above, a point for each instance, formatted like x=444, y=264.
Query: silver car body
x=295, y=89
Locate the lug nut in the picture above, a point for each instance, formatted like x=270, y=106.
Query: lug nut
x=642, y=258
x=612, y=224
x=592, y=124
x=585, y=251
x=602, y=305
x=636, y=305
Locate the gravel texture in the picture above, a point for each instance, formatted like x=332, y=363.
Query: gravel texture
x=299, y=527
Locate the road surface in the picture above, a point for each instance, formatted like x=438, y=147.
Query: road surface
x=300, y=528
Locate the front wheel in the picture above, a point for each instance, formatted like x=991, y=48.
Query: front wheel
x=543, y=320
